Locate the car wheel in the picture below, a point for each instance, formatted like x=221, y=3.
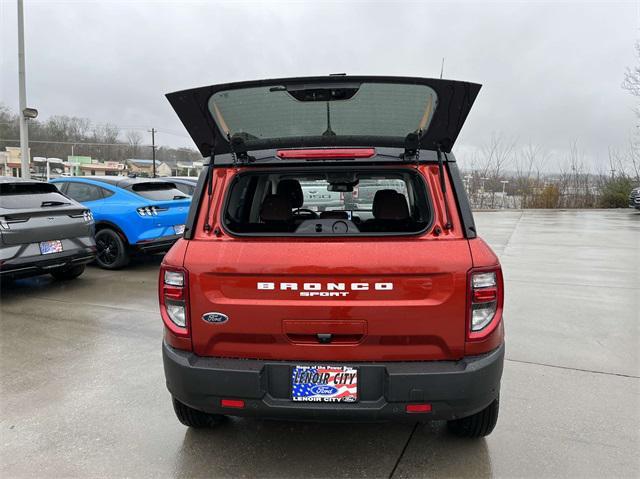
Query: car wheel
x=479, y=425
x=193, y=418
x=112, y=251
x=71, y=272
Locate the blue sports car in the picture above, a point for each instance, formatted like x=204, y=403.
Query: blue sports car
x=131, y=214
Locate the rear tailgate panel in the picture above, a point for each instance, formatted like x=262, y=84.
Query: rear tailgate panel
x=405, y=299
x=44, y=225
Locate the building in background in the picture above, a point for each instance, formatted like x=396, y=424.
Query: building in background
x=10, y=161
x=87, y=166
x=188, y=168
x=141, y=167
x=73, y=166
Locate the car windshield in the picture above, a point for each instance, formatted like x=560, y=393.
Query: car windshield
x=328, y=203
x=158, y=191
x=263, y=114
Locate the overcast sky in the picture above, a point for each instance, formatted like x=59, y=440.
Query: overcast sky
x=551, y=72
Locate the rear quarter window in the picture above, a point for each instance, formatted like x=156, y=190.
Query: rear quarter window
x=83, y=192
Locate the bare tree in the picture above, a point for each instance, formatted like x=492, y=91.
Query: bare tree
x=631, y=81
x=134, y=138
x=495, y=156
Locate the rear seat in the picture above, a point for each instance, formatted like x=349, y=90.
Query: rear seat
x=390, y=213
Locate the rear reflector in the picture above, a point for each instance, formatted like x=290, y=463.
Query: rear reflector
x=484, y=295
x=411, y=408
x=327, y=153
x=235, y=403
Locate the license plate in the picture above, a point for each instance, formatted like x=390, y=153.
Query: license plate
x=48, y=247
x=179, y=229
x=324, y=384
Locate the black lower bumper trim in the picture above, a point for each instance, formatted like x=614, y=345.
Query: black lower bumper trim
x=156, y=246
x=454, y=389
x=44, y=264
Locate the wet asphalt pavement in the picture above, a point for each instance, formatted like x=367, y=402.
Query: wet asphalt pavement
x=82, y=388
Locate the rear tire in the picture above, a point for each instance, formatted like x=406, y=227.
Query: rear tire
x=112, y=250
x=479, y=425
x=71, y=272
x=193, y=418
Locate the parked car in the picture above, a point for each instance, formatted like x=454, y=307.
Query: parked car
x=272, y=309
x=186, y=184
x=132, y=215
x=42, y=231
x=318, y=198
x=634, y=198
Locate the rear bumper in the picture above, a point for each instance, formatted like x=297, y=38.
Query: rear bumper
x=27, y=265
x=453, y=388
x=158, y=245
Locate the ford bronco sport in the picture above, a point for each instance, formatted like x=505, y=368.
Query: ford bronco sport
x=387, y=310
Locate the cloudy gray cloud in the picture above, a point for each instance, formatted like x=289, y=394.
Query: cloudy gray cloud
x=551, y=71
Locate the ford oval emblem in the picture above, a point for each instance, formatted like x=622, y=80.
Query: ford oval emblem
x=215, y=318
x=323, y=390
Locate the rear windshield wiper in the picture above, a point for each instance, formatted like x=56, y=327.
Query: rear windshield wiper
x=54, y=203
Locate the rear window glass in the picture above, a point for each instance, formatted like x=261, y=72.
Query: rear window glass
x=30, y=195
x=268, y=113
x=158, y=191
x=338, y=203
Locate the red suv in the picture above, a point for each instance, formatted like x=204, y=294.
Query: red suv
x=382, y=309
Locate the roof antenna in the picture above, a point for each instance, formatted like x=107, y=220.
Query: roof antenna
x=442, y=68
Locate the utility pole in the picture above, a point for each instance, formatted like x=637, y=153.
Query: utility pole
x=24, y=133
x=153, y=150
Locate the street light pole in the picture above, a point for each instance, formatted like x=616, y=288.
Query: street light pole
x=24, y=133
x=504, y=183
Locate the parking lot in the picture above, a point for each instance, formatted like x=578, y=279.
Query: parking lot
x=83, y=391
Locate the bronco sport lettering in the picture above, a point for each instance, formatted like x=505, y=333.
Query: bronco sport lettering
x=329, y=289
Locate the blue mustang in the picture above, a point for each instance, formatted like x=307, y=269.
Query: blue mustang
x=131, y=214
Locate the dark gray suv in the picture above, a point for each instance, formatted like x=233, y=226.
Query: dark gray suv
x=42, y=231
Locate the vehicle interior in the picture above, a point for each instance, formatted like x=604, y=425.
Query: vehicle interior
x=340, y=202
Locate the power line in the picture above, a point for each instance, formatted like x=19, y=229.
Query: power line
x=73, y=142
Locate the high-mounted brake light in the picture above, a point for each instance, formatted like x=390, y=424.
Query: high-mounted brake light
x=329, y=153
x=173, y=292
x=485, y=303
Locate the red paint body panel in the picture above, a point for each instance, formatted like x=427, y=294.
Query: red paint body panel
x=424, y=316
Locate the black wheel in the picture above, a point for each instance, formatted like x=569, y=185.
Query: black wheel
x=193, y=418
x=112, y=251
x=71, y=272
x=479, y=425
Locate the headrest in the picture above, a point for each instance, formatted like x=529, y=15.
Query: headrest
x=275, y=208
x=390, y=205
x=292, y=190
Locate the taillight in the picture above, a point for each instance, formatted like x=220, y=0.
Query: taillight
x=87, y=215
x=174, y=298
x=150, y=210
x=485, y=303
